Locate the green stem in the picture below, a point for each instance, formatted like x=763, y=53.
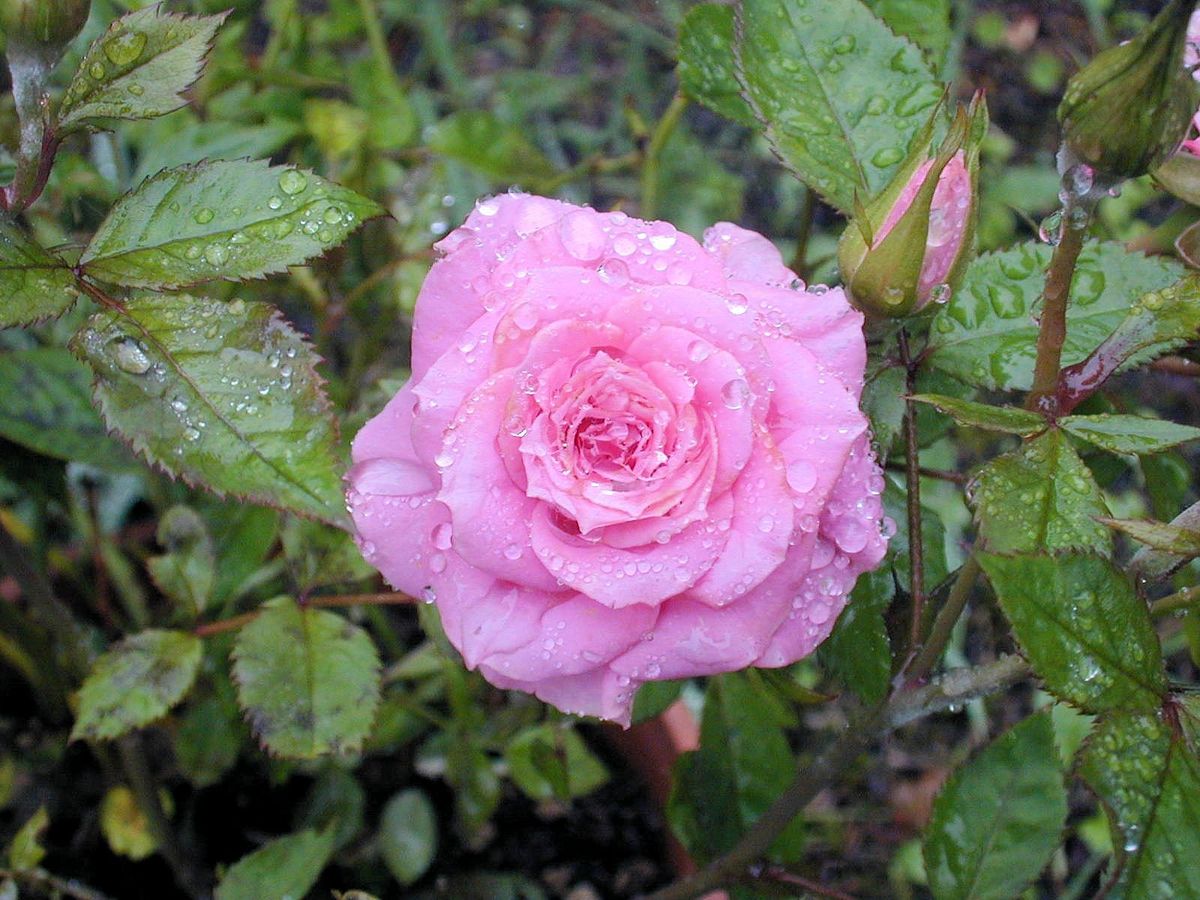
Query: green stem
x=953, y=690
x=133, y=760
x=1184, y=599
x=912, y=479
x=807, y=212
x=52, y=884
x=650, y=163
x=30, y=69
x=943, y=625
x=375, y=36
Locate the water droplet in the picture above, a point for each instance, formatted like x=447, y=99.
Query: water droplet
x=662, y=241
x=582, y=236
x=292, y=181
x=442, y=536
x=614, y=272
x=845, y=44
x=512, y=552
x=735, y=393
x=136, y=89
x=887, y=156
x=122, y=49
x=203, y=215
x=737, y=304
x=274, y=202
x=216, y=254
x=525, y=317
x=437, y=563
x=332, y=215
x=130, y=357
x=801, y=476
x=699, y=351
x=766, y=524
x=96, y=70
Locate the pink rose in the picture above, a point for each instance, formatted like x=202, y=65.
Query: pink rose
x=621, y=457
x=949, y=217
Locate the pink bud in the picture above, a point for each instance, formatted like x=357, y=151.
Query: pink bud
x=948, y=220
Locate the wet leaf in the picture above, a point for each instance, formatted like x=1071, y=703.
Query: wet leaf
x=1040, y=497
x=34, y=284
x=986, y=334
x=1157, y=323
x=999, y=817
x=743, y=763
x=1010, y=419
x=859, y=651
x=1149, y=780
x=1129, y=434
x=308, y=680
x=125, y=826
x=26, y=850
x=926, y=22
x=234, y=220
x=705, y=69
x=286, y=867
x=838, y=94
x=1173, y=539
x=138, y=69
x=498, y=150
x=408, y=835
x=548, y=762
x=336, y=802
x=1082, y=628
x=136, y=682
x=46, y=405
x=223, y=395
x=186, y=572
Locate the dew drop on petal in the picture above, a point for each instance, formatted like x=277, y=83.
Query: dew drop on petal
x=735, y=393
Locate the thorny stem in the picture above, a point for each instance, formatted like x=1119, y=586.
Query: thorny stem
x=1184, y=599
x=235, y=622
x=1052, y=331
x=953, y=690
x=141, y=781
x=64, y=887
x=912, y=465
x=943, y=625
x=650, y=164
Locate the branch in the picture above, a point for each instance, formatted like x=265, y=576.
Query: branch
x=952, y=690
x=391, y=598
x=912, y=479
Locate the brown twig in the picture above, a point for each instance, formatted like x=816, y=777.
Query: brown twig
x=392, y=598
x=1176, y=365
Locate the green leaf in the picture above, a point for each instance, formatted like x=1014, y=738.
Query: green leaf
x=46, y=405
x=999, y=818
x=839, y=96
x=1082, y=628
x=1041, y=497
x=34, y=284
x=926, y=22
x=859, y=651
x=231, y=219
x=125, y=825
x=26, y=850
x=307, y=679
x=1157, y=323
x=1181, y=542
x=136, y=682
x=743, y=763
x=986, y=334
x=1010, y=419
x=408, y=835
x=337, y=802
x=210, y=733
x=1129, y=434
x=548, y=762
x=705, y=69
x=1149, y=780
x=498, y=150
x=320, y=556
x=186, y=572
x=138, y=69
x=225, y=395
x=654, y=697
x=883, y=403
x=285, y=867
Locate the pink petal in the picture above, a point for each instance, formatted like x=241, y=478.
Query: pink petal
x=618, y=577
x=747, y=255
x=600, y=692
x=491, y=514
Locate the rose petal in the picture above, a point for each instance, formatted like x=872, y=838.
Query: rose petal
x=747, y=255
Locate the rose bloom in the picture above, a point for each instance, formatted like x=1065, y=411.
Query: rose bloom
x=622, y=456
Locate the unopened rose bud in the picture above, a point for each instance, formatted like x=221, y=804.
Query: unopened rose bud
x=1129, y=108
x=910, y=244
x=43, y=26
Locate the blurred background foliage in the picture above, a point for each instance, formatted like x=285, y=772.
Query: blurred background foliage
x=462, y=791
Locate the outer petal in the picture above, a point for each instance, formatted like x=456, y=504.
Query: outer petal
x=747, y=255
x=849, y=544
x=600, y=692
x=491, y=515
